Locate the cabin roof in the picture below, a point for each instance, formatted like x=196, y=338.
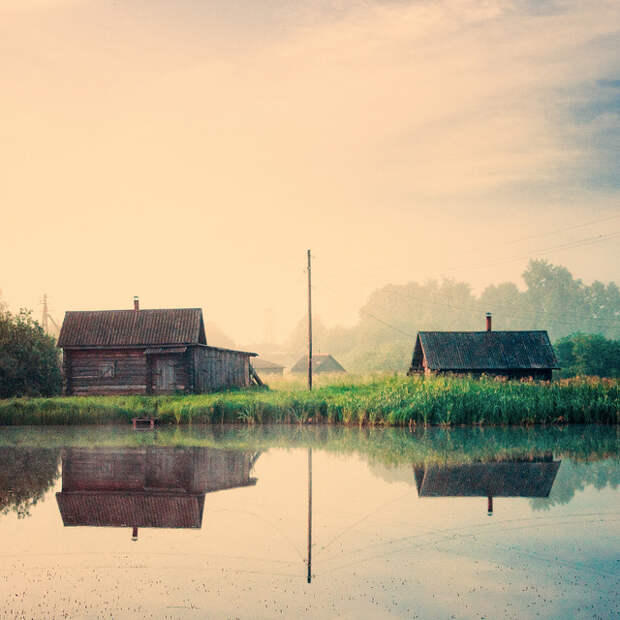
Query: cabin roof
x=108, y=328
x=486, y=350
x=262, y=364
x=122, y=509
x=324, y=362
x=502, y=479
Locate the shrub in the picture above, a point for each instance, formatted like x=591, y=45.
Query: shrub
x=29, y=359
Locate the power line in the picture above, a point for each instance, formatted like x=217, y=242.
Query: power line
x=570, y=245
x=475, y=310
x=478, y=310
x=566, y=246
x=376, y=318
x=561, y=230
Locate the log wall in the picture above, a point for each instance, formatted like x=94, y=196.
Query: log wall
x=85, y=372
x=199, y=369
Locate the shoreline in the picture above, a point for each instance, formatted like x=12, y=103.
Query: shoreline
x=374, y=400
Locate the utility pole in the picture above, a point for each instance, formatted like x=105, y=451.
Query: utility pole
x=45, y=313
x=309, y=322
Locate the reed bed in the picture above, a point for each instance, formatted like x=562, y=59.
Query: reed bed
x=370, y=400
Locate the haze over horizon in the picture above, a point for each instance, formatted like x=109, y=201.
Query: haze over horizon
x=189, y=152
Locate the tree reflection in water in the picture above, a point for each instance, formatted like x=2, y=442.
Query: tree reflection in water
x=26, y=474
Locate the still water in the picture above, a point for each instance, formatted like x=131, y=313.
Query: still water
x=222, y=522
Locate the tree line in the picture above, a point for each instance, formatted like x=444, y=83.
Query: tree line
x=582, y=320
x=552, y=299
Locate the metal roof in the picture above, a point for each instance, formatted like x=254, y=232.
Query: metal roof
x=323, y=362
x=487, y=350
x=109, y=328
x=262, y=364
x=501, y=479
x=130, y=509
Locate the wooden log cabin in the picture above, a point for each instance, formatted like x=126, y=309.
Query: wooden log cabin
x=154, y=487
x=146, y=352
x=510, y=354
x=526, y=477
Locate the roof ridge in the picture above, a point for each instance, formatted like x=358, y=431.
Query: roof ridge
x=133, y=310
x=481, y=331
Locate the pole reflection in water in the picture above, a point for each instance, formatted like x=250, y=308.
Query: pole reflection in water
x=309, y=515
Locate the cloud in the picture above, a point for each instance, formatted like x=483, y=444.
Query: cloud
x=353, y=128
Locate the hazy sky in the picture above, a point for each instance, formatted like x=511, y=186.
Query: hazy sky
x=190, y=151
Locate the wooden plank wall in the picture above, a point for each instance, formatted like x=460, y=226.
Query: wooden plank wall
x=105, y=469
x=200, y=369
x=221, y=469
x=182, y=380
x=217, y=369
x=129, y=372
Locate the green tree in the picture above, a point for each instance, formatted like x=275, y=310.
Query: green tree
x=29, y=359
x=588, y=354
x=384, y=336
x=26, y=475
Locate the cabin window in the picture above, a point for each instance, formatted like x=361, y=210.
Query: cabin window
x=106, y=369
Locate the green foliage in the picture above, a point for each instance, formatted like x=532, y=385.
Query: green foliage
x=383, y=338
x=368, y=400
x=26, y=474
x=588, y=354
x=29, y=359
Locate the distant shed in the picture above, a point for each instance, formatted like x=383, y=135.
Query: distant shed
x=138, y=351
x=320, y=363
x=265, y=367
x=512, y=354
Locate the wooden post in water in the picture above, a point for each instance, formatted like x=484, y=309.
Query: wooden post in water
x=309, y=322
x=309, y=515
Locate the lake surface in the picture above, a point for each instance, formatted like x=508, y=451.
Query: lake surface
x=215, y=522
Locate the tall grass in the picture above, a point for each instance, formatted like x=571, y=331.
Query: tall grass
x=364, y=400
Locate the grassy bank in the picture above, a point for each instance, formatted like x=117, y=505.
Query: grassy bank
x=368, y=400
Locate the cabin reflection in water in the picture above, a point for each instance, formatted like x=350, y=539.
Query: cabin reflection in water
x=527, y=477
x=146, y=487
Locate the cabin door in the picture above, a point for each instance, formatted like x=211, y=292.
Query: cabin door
x=164, y=374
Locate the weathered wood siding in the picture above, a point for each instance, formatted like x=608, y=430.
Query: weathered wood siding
x=199, y=369
x=536, y=374
x=153, y=469
x=84, y=372
x=216, y=369
x=222, y=469
x=182, y=377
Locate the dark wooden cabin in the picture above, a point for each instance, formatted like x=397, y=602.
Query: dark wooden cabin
x=530, y=477
x=146, y=352
x=511, y=354
x=320, y=363
x=160, y=487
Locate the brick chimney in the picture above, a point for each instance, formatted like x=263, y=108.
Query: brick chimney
x=488, y=321
x=136, y=302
